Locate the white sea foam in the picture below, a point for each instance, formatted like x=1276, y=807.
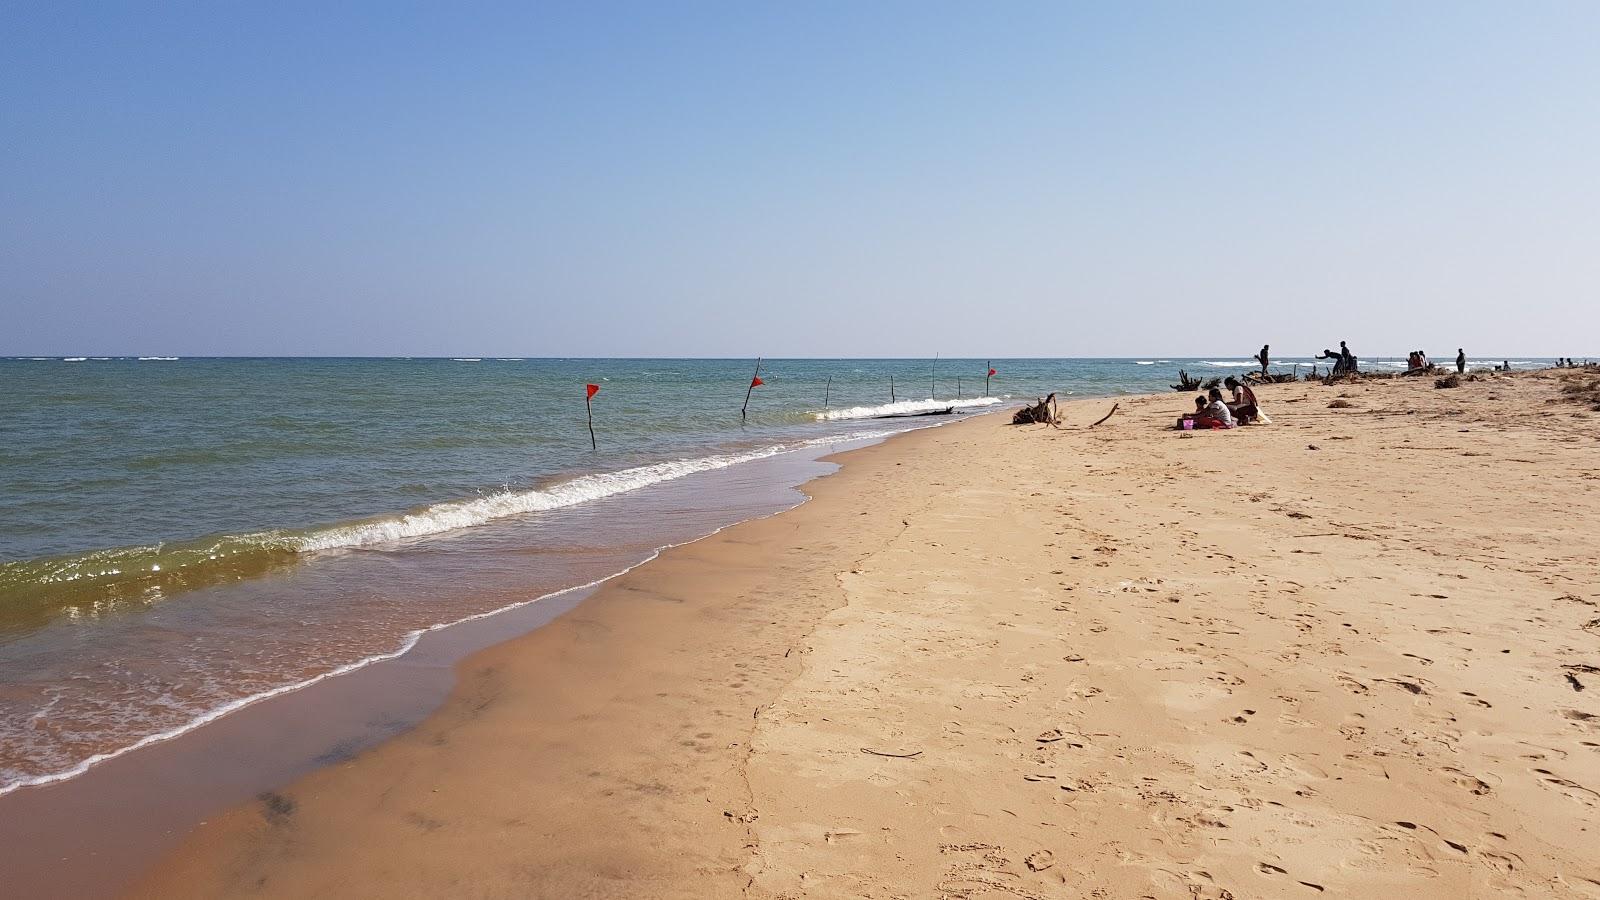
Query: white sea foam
x=632, y=477
x=1230, y=364
x=465, y=359
x=1144, y=362
x=74, y=359
x=157, y=358
x=901, y=407
x=443, y=517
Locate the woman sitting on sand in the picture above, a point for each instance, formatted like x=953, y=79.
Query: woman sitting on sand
x=1210, y=412
x=1243, y=406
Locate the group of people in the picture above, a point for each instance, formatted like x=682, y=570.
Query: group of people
x=1211, y=410
x=1344, y=362
x=1566, y=362
x=1418, y=361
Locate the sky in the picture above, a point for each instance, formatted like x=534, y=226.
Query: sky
x=799, y=179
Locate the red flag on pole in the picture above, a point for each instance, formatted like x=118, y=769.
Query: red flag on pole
x=756, y=381
x=992, y=373
x=593, y=389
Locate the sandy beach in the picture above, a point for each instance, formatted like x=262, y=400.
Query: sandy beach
x=1352, y=653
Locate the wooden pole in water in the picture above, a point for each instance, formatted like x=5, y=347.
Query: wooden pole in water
x=891, y=388
x=826, y=389
x=988, y=366
x=753, y=379
x=958, y=387
x=588, y=406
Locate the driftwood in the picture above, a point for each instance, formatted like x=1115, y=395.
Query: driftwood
x=1269, y=378
x=1107, y=415
x=912, y=755
x=1185, y=383
x=1045, y=412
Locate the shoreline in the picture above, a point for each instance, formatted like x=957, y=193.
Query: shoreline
x=581, y=646
x=611, y=787
x=107, y=784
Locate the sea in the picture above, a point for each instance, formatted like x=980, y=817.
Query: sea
x=183, y=537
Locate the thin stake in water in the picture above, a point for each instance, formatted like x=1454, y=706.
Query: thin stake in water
x=588, y=405
x=826, y=389
x=754, y=381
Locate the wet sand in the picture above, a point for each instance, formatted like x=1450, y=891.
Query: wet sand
x=1352, y=653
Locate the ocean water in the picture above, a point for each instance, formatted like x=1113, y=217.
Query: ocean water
x=180, y=537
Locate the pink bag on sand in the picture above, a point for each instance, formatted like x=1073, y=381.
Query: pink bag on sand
x=1188, y=424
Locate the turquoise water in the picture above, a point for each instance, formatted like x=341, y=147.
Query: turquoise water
x=180, y=537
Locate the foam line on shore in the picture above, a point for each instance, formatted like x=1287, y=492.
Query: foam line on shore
x=903, y=407
x=412, y=638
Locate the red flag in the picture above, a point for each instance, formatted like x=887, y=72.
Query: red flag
x=993, y=372
x=593, y=389
x=756, y=381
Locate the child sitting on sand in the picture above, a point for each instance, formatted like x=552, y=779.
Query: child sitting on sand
x=1209, y=412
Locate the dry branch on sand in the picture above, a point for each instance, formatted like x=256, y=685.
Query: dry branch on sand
x=1449, y=381
x=1044, y=412
x=1185, y=383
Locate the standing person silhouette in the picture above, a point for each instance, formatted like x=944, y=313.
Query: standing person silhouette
x=1264, y=358
x=1347, y=360
x=1461, y=361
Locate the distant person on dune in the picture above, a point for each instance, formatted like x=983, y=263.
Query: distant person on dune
x=1461, y=361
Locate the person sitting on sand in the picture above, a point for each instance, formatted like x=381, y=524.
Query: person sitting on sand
x=1243, y=405
x=1413, y=361
x=1216, y=413
x=1199, y=410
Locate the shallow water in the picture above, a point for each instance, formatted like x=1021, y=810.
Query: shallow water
x=180, y=537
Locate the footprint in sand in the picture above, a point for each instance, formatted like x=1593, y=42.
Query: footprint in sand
x=1414, y=687
x=1587, y=720
x=1568, y=788
x=1471, y=782
x=1351, y=684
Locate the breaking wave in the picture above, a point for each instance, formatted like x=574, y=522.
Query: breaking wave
x=36, y=590
x=903, y=407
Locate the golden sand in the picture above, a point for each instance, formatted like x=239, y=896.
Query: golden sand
x=1352, y=653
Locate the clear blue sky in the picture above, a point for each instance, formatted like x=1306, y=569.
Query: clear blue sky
x=802, y=179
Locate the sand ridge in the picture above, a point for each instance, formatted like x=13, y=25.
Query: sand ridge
x=1353, y=653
